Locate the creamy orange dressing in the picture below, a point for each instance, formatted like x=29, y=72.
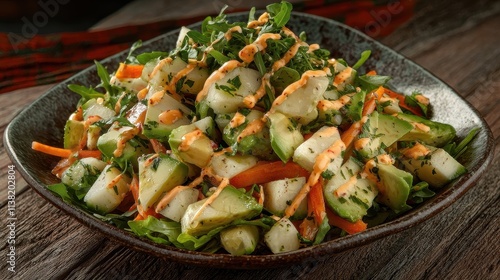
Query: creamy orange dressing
x=188, y=139
x=342, y=76
x=385, y=159
x=156, y=97
x=223, y=151
x=253, y=127
x=416, y=151
x=336, y=105
x=115, y=181
x=286, y=58
x=217, y=75
x=421, y=126
x=118, y=105
x=296, y=85
x=237, y=120
x=142, y=93
x=320, y=165
x=248, y=52
x=386, y=98
x=150, y=160
x=260, y=21
x=170, y=116
x=229, y=34
x=159, y=66
x=122, y=140
x=78, y=115
x=344, y=188
x=361, y=143
x=422, y=99
x=290, y=33
x=313, y=47
x=367, y=173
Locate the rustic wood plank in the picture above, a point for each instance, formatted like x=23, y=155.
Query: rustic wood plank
x=12, y=104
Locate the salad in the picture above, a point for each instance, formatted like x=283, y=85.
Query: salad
x=247, y=139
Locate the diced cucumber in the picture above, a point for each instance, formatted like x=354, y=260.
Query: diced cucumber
x=392, y=129
x=280, y=193
x=301, y=104
x=191, y=83
x=107, y=192
x=228, y=166
x=208, y=126
x=73, y=133
x=93, y=134
x=129, y=85
x=182, y=34
x=73, y=176
x=438, y=168
x=200, y=148
x=240, y=240
x=226, y=95
x=154, y=128
x=306, y=153
x=285, y=136
x=282, y=237
x=158, y=176
x=231, y=204
x=222, y=120
x=178, y=205
x=99, y=110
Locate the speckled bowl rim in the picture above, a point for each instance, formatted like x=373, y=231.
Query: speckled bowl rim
x=422, y=213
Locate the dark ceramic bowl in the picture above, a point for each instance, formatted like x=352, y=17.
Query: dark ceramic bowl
x=44, y=120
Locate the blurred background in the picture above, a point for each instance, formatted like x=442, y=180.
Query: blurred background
x=47, y=41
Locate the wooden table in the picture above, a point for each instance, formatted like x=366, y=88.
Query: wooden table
x=456, y=40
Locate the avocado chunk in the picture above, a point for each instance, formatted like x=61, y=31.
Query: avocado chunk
x=133, y=148
x=368, y=143
x=154, y=128
x=257, y=144
x=231, y=204
x=396, y=184
x=285, y=136
x=437, y=168
x=191, y=145
x=392, y=129
x=429, y=132
x=158, y=174
x=240, y=240
x=73, y=133
x=349, y=195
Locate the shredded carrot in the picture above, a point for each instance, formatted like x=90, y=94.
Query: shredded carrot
x=308, y=228
x=129, y=71
x=316, y=202
x=54, y=151
x=89, y=153
x=347, y=226
x=267, y=172
x=371, y=73
x=157, y=146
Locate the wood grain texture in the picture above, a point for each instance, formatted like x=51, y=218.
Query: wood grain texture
x=456, y=40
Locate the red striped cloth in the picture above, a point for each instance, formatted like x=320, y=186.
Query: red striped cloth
x=52, y=58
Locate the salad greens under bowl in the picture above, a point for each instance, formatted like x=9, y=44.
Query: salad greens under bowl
x=52, y=110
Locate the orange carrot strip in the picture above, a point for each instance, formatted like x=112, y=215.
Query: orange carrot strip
x=349, y=227
x=371, y=73
x=129, y=71
x=267, y=172
x=308, y=228
x=89, y=153
x=316, y=202
x=54, y=151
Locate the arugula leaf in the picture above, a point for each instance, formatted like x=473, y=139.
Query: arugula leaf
x=364, y=57
x=86, y=93
x=198, y=37
x=322, y=231
x=159, y=230
x=419, y=192
x=144, y=58
x=371, y=82
x=456, y=150
x=131, y=59
x=284, y=77
x=280, y=12
x=105, y=80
